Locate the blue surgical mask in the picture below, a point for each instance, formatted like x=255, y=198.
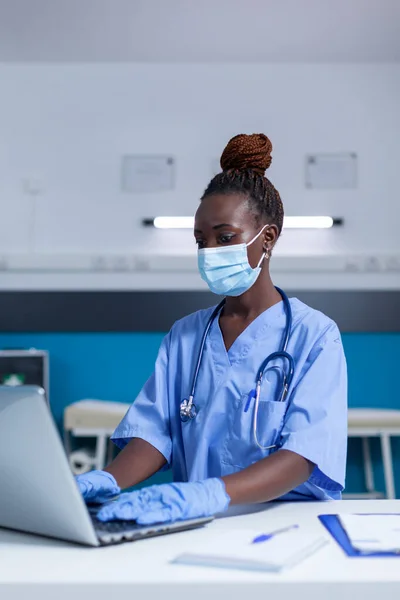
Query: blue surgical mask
x=226, y=269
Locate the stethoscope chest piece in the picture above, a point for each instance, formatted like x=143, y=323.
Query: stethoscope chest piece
x=188, y=410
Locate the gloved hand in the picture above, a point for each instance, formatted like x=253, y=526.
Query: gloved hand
x=169, y=502
x=97, y=486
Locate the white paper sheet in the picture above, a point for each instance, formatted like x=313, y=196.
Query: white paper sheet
x=373, y=533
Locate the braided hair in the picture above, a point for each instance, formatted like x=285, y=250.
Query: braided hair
x=244, y=162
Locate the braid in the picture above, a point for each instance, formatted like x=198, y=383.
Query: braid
x=244, y=162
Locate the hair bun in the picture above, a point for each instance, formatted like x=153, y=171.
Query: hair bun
x=247, y=152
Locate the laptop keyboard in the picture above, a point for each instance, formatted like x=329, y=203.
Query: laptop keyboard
x=114, y=526
x=115, y=532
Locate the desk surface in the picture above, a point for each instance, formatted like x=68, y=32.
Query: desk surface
x=142, y=569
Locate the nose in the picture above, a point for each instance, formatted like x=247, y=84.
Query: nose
x=210, y=244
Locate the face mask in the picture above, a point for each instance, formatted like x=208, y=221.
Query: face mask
x=226, y=270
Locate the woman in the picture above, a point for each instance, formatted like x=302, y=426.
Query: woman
x=298, y=448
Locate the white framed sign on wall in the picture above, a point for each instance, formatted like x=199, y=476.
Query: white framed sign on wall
x=331, y=171
x=150, y=174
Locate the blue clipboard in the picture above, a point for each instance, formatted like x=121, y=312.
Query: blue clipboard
x=333, y=525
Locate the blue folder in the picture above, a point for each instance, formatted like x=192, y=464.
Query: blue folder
x=334, y=526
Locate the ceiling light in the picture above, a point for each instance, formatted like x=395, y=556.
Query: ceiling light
x=309, y=222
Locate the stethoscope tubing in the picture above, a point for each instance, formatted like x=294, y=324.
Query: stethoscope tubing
x=188, y=409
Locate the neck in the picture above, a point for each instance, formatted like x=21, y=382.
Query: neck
x=261, y=296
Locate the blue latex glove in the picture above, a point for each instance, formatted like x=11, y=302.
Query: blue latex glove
x=97, y=486
x=169, y=502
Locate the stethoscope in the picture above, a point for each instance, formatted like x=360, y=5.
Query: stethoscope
x=188, y=409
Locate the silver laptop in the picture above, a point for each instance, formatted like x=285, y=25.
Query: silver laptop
x=38, y=493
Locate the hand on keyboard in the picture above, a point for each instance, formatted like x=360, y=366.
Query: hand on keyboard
x=168, y=503
x=97, y=486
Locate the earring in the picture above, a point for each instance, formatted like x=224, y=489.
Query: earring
x=266, y=253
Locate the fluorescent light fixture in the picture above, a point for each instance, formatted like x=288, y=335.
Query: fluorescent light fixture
x=310, y=222
x=174, y=222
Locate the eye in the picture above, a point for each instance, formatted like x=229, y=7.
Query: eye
x=200, y=243
x=226, y=238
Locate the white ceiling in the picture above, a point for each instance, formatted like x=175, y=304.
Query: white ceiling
x=200, y=30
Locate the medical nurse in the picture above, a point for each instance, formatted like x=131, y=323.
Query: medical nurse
x=298, y=448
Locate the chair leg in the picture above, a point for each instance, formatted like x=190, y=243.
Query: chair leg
x=100, y=455
x=368, y=470
x=67, y=442
x=388, y=466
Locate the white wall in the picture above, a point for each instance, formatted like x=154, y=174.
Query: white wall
x=70, y=125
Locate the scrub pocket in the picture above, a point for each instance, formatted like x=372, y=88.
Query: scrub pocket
x=241, y=449
x=270, y=419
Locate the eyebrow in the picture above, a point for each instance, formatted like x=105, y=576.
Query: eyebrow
x=215, y=227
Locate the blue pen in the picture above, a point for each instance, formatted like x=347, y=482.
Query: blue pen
x=250, y=397
x=267, y=536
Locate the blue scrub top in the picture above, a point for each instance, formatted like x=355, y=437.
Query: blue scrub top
x=312, y=422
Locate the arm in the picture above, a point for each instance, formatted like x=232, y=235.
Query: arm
x=265, y=480
x=269, y=478
x=138, y=461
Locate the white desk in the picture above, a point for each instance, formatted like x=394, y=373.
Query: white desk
x=32, y=567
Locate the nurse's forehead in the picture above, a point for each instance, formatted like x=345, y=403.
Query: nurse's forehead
x=232, y=209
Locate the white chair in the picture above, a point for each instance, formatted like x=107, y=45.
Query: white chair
x=366, y=423
x=91, y=418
